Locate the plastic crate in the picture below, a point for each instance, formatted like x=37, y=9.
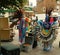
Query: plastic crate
x=10, y=49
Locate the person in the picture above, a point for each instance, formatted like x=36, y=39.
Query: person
x=21, y=24
x=53, y=20
x=35, y=31
x=48, y=14
x=34, y=17
x=27, y=22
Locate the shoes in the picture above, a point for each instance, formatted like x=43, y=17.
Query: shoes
x=47, y=49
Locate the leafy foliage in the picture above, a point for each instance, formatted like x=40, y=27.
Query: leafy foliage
x=12, y=3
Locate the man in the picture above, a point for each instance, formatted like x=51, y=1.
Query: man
x=21, y=26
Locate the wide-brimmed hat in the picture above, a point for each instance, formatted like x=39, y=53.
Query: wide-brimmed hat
x=54, y=14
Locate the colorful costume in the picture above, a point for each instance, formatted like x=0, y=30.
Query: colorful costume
x=22, y=30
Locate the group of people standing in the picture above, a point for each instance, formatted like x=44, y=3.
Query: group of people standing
x=24, y=24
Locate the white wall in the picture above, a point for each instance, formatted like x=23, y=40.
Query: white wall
x=40, y=16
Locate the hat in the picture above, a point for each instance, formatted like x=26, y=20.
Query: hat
x=54, y=14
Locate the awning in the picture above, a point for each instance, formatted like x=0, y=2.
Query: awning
x=8, y=10
x=28, y=9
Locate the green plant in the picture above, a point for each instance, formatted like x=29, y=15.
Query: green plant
x=12, y=4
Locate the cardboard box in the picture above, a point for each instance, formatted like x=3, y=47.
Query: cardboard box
x=5, y=34
x=4, y=23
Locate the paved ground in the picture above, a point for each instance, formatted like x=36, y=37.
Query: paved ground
x=54, y=51
x=38, y=51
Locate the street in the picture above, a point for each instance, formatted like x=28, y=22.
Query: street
x=54, y=51
x=20, y=17
x=38, y=51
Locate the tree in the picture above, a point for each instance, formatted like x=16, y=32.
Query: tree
x=22, y=2
x=57, y=0
x=12, y=3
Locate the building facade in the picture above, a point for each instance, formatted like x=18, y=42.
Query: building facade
x=28, y=10
x=58, y=5
x=43, y=4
